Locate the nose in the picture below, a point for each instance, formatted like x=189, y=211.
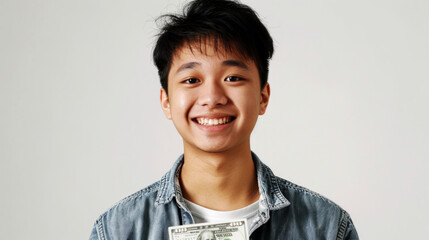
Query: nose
x=212, y=94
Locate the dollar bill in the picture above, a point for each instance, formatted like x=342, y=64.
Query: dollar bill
x=234, y=230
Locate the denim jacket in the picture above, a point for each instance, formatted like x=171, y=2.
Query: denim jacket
x=286, y=211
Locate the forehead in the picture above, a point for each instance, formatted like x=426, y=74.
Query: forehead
x=208, y=49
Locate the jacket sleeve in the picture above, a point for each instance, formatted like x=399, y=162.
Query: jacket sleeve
x=347, y=230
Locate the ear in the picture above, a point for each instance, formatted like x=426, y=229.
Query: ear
x=265, y=97
x=165, y=103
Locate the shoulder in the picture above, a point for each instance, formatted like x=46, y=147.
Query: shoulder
x=296, y=194
x=137, y=201
x=308, y=205
x=129, y=217
x=127, y=212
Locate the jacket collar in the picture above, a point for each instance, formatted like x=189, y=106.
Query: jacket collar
x=270, y=193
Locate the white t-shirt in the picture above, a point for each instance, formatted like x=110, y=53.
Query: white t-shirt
x=204, y=215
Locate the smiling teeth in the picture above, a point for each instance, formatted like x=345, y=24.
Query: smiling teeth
x=213, y=121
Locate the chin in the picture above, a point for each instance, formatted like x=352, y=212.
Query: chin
x=213, y=148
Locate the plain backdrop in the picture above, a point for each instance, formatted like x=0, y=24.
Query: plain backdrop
x=81, y=125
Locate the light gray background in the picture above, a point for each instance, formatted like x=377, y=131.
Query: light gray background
x=81, y=126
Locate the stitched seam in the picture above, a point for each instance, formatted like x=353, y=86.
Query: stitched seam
x=161, y=197
x=142, y=192
x=277, y=191
x=268, y=174
x=133, y=196
x=279, y=194
x=343, y=226
x=305, y=190
x=265, y=191
x=100, y=228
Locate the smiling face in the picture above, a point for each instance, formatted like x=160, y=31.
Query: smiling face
x=214, y=98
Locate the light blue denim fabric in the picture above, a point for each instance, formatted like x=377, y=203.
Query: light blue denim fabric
x=286, y=211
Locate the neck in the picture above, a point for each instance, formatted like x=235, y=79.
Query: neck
x=220, y=181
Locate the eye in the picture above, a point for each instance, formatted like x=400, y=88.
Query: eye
x=233, y=79
x=191, y=80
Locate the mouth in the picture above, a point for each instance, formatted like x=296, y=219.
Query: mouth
x=213, y=121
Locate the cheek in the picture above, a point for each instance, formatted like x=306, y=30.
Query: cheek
x=181, y=104
x=249, y=100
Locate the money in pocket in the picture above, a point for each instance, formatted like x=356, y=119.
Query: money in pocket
x=233, y=230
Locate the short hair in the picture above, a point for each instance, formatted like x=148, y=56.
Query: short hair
x=227, y=23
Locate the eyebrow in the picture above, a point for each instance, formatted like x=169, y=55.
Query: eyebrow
x=235, y=63
x=188, y=65
x=230, y=63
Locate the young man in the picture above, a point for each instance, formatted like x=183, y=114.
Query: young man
x=213, y=66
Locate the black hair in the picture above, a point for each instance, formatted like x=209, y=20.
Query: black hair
x=228, y=23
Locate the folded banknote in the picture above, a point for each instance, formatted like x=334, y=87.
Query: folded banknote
x=233, y=230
